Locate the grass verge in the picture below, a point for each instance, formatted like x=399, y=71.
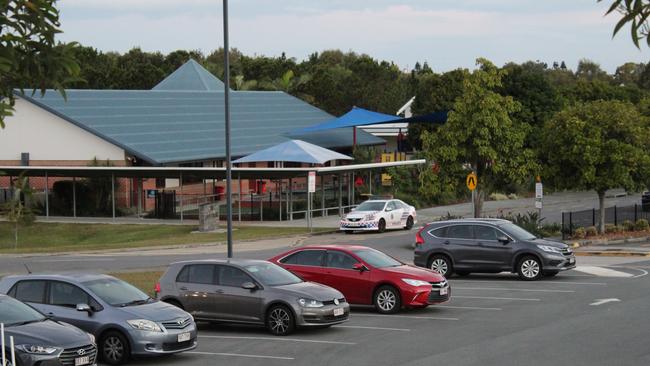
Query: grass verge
x=145, y=281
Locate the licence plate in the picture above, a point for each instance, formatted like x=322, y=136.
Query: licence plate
x=82, y=361
x=184, y=337
x=338, y=312
x=443, y=291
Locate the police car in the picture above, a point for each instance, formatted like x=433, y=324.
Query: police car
x=379, y=215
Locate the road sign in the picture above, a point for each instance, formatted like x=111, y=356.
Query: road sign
x=311, y=182
x=472, y=181
x=539, y=195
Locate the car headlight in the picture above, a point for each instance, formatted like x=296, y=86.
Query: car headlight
x=416, y=283
x=309, y=303
x=92, y=338
x=37, y=349
x=550, y=249
x=143, y=324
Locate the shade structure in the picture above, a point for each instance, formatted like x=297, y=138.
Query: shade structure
x=296, y=151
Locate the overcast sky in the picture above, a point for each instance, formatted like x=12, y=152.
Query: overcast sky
x=445, y=33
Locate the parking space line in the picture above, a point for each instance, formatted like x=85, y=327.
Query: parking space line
x=239, y=355
x=405, y=316
x=278, y=339
x=510, y=289
x=373, y=328
x=543, y=282
x=494, y=298
x=467, y=308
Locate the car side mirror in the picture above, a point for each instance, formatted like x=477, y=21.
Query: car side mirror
x=85, y=307
x=359, y=267
x=504, y=240
x=249, y=286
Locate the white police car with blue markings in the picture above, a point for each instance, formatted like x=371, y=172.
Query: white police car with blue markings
x=379, y=215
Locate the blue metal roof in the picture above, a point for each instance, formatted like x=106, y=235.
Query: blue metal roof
x=294, y=151
x=190, y=76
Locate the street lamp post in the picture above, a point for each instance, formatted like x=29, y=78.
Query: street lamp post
x=226, y=82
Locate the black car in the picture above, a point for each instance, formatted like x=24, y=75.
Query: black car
x=489, y=246
x=41, y=341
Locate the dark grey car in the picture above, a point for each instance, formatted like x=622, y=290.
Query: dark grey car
x=39, y=340
x=124, y=320
x=251, y=292
x=489, y=246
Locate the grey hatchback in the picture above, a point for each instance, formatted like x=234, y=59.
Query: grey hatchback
x=489, y=246
x=251, y=292
x=124, y=320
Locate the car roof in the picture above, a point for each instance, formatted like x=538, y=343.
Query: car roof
x=335, y=246
x=234, y=261
x=473, y=221
x=75, y=277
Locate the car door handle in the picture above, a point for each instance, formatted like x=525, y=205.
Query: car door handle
x=183, y=288
x=446, y=242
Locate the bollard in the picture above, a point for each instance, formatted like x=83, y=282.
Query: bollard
x=2, y=343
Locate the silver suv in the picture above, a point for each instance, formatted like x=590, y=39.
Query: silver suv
x=124, y=320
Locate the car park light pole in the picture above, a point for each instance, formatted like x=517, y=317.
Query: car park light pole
x=226, y=88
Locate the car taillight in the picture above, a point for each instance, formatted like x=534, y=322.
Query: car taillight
x=157, y=288
x=419, y=240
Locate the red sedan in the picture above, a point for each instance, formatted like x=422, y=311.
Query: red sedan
x=367, y=276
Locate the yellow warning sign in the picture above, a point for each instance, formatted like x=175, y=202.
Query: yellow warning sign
x=472, y=181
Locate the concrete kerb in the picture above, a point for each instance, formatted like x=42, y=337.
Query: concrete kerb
x=611, y=253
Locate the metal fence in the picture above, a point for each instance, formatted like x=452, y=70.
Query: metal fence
x=615, y=215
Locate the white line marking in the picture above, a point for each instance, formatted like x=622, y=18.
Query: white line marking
x=278, y=339
x=494, y=298
x=373, y=328
x=73, y=260
x=603, y=301
x=404, y=316
x=543, y=282
x=602, y=272
x=637, y=268
x=239, y=355
x=510, y=289
x=467, y=307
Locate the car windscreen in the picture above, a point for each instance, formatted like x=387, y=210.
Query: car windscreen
x=272, y=275
x=116, y=292
x=14, y=312
x=517, y=232
x=376, y=258
x=371, y=206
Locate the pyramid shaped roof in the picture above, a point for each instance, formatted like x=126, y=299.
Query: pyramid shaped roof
x=191, y=76
x=296, y=151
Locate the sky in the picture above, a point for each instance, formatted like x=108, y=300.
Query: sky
x=447, y=34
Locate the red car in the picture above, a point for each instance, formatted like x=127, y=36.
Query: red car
x=367, y=276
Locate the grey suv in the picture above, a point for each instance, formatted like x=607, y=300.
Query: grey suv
x=251, y=292
x=124, y=320
x=489, y=246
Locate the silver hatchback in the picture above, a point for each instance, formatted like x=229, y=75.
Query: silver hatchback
x=251, y=292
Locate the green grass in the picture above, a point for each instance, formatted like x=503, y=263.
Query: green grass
x=145, y=281
x=52, y=237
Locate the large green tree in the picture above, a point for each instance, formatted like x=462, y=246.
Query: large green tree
x=635, y=13
x=29, y=55
x=480, y=135
x=597, y=146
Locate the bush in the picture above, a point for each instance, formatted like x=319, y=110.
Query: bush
x=513, y=196
x=449, y=216
x=498, y=197
x=579, y=233
x=620, y=228
x=591, y=231
x=610, y=228
x=641, y=225
x=628, y=225
x=550, y=230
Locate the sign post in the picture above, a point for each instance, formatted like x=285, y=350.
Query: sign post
x=472, y=181
x=311, y=188
x=539, y=195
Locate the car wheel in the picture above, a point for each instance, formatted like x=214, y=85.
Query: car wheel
x=529, y=268
x=550, y=273
x=114, y=348
x=409, y=223
x=387, y=300
x=462, y=273
x=442, y=265
x=280, y=321
x=381, y=226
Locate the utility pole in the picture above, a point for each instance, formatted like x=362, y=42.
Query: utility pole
x=226, y=98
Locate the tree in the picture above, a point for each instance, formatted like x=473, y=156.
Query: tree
x=635, y=13
x=29, y=56
x=629, y=73
x=480, y=135
x=591, y=71
x=597, y=146
x=17, y=209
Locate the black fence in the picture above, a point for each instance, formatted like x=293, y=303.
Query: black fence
x=613, y=215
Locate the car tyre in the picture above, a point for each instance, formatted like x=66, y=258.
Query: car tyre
x=280, y=320
x=409, y=223
x=387, y=300
x=442, y=265
x=381, y=226
x=529, y=268
x=115, y=349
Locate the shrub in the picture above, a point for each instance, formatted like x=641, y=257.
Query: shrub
x=579, y=233
x=620, y=228
x=628, y=225
x=513, y=196
x=641, y=225
x=610, y=228
x=591, y=231
x=550, y=230
x=449, y=216
x=498, y=197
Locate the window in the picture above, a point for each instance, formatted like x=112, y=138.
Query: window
x=392, y=205
x=231, y=276
x=30, y=291
x=65, y=294
x=306, y=258
x=459, y=232
x=14, y=312
x=376, y=258
x=197, y=273
x=336, y=259
x=485, y=233
x=115, y=292
x=440, y=233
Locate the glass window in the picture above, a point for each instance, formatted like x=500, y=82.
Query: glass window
x=117, y=292
x=440, y=232
x=485, y=233
x=65, y=294
x=517, y=232
x=13, y=312
x=197, y=273
x=391, y=206
x=371, y=206
x=377, y=259
x=272, y=275
x=30, y=291
x=306, y=258
x=460, y=232
x=336, y=259
x=231, y=276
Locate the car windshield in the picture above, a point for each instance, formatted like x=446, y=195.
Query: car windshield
x=376, y=258
x=117, y=292
x=517, y=232
x=14, y=312
x=371, y=206
x=271, y=275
